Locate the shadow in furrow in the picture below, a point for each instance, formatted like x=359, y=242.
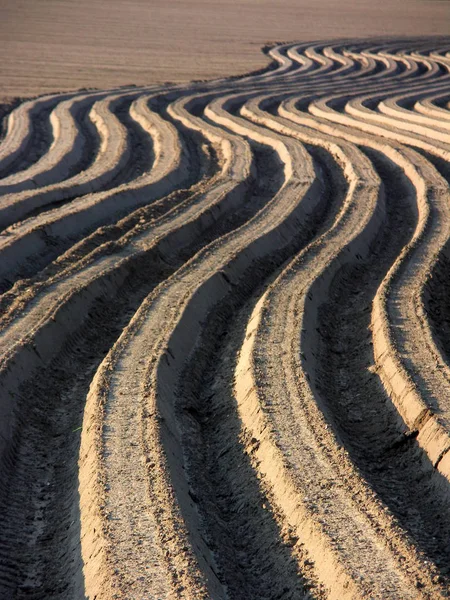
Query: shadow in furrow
x=40, y=544
x=355, y=401
x=55, y=246
x=40, y=524
x=257, y=558
x=140, y=160
x=6, y=107
x=91, y=143
x=141, y=149
x=38, y=144
x=437, y=291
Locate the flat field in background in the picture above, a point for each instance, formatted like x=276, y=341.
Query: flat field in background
x=51, y=45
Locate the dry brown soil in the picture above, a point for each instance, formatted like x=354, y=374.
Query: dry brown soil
x=55, y=45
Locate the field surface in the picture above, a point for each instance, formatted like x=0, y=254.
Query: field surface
x=57, y=45
x=225, y=333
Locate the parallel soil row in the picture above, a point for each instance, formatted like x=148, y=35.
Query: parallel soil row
x=224, y=319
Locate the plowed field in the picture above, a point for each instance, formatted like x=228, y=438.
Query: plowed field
x=225, y=333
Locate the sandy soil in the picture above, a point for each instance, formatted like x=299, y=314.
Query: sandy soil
x=55, y=45
x=224, y=325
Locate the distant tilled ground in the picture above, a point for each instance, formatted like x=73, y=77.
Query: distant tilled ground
x=225, y=333
x=56, y=45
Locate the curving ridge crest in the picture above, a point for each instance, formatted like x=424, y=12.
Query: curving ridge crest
x=225, y=333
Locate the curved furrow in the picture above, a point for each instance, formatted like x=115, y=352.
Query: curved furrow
x=443, y=61
x=382, y=92
x=15, y=242
x=283, y=392
x=224, y=355
x=112, y=155
x=226, y=184
x=106, y=248
x=200, y=285
x=431, y=106
x=213, y=113
x=362, y=80
x=26, y=135
x=67, y=140
x=314, y=85
x=424, y=112
x=92, y=171
x=441, y=229
x=442, y=154
x=432, y=428
x=366, y=119
x=418, y=392
x=343, y=397
x=24, y=282
x=295, y=54
x=425, y=125
x=93, y=283
x=30, y=245
x=65, y=150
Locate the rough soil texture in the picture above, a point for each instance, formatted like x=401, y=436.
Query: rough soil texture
x=56, y=45
x=224, y=333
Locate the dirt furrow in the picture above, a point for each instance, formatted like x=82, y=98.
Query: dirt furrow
x=65, y=152
x=200, y=272
x=31, y=245
x=250, y=541
x=87, y=340
x=412, y=384
x=379, y=443
x=102, y=160
x=21, y=142
x=224, y=364
x=294, y=444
